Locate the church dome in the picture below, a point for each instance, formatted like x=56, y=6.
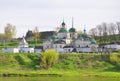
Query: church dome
x=52, y=37
x=62, y=30
x=93, y=41
x=72, y=30
x=82, y=36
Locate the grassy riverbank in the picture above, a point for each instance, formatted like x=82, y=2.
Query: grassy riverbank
x=74, y=64
x=59, y=73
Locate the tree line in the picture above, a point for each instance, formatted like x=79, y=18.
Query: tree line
x=106, y=32
x=10, y=32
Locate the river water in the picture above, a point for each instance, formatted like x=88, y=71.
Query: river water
x=57, y=79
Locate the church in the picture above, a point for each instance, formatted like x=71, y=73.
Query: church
x=69, y=41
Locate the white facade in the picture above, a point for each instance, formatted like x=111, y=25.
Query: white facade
x=10, y=50
x=114, y=46
x=62, y=35
x=47, y=45
x=23, y=43
x=69, y=49
x=84, y=50
x=38, y=50
x=26, y=50
x=81, y=43
x=22, y=48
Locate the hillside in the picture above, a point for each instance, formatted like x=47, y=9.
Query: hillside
x=29, y=63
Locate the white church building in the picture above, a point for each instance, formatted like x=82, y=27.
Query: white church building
x=69, y=41
x=64, y=41
x=22, y=48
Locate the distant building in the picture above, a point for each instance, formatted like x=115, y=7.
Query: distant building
x=43, y=34
x=69, y=41
x=64, y=40
x=46, y=34
x=24, y=48
x=113, y=46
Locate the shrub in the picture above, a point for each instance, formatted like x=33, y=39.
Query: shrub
x=22, y=59
x=114, y=58
x=48, y=58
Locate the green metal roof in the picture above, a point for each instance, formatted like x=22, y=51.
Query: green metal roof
x=72, y=30
x=60, y=42
x=93, y=41
x=82, y=36
x=52, y=37
x=62, y=30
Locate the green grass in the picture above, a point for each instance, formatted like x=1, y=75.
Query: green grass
x=14, y=44
x=75, y=64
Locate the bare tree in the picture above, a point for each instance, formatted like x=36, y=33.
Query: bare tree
x=105, y=34
x=118, y=28
x=100, y=32
x=36, y=34
x=93, y=32
x=113, y=29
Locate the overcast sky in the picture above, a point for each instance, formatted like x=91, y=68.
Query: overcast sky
x=48, y=14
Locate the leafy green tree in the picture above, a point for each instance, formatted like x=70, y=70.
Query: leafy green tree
x=49, y=58
x=2, y=36
x=10, y=31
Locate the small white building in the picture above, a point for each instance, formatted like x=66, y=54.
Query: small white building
x=23, y=43
x=24, y=47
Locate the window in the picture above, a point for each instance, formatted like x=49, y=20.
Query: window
x=69, y=50
x=60, y=46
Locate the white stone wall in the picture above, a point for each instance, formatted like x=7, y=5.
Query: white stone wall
x=59, y=49
x=47, y=45
x=84, y=50
x=26, y=50
x=81, y=44
x=68, y=41
x=73, y=35
x=10, y=50
x=55, y=46
x=37, y=50
x=68, y=49
x=114, y=46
